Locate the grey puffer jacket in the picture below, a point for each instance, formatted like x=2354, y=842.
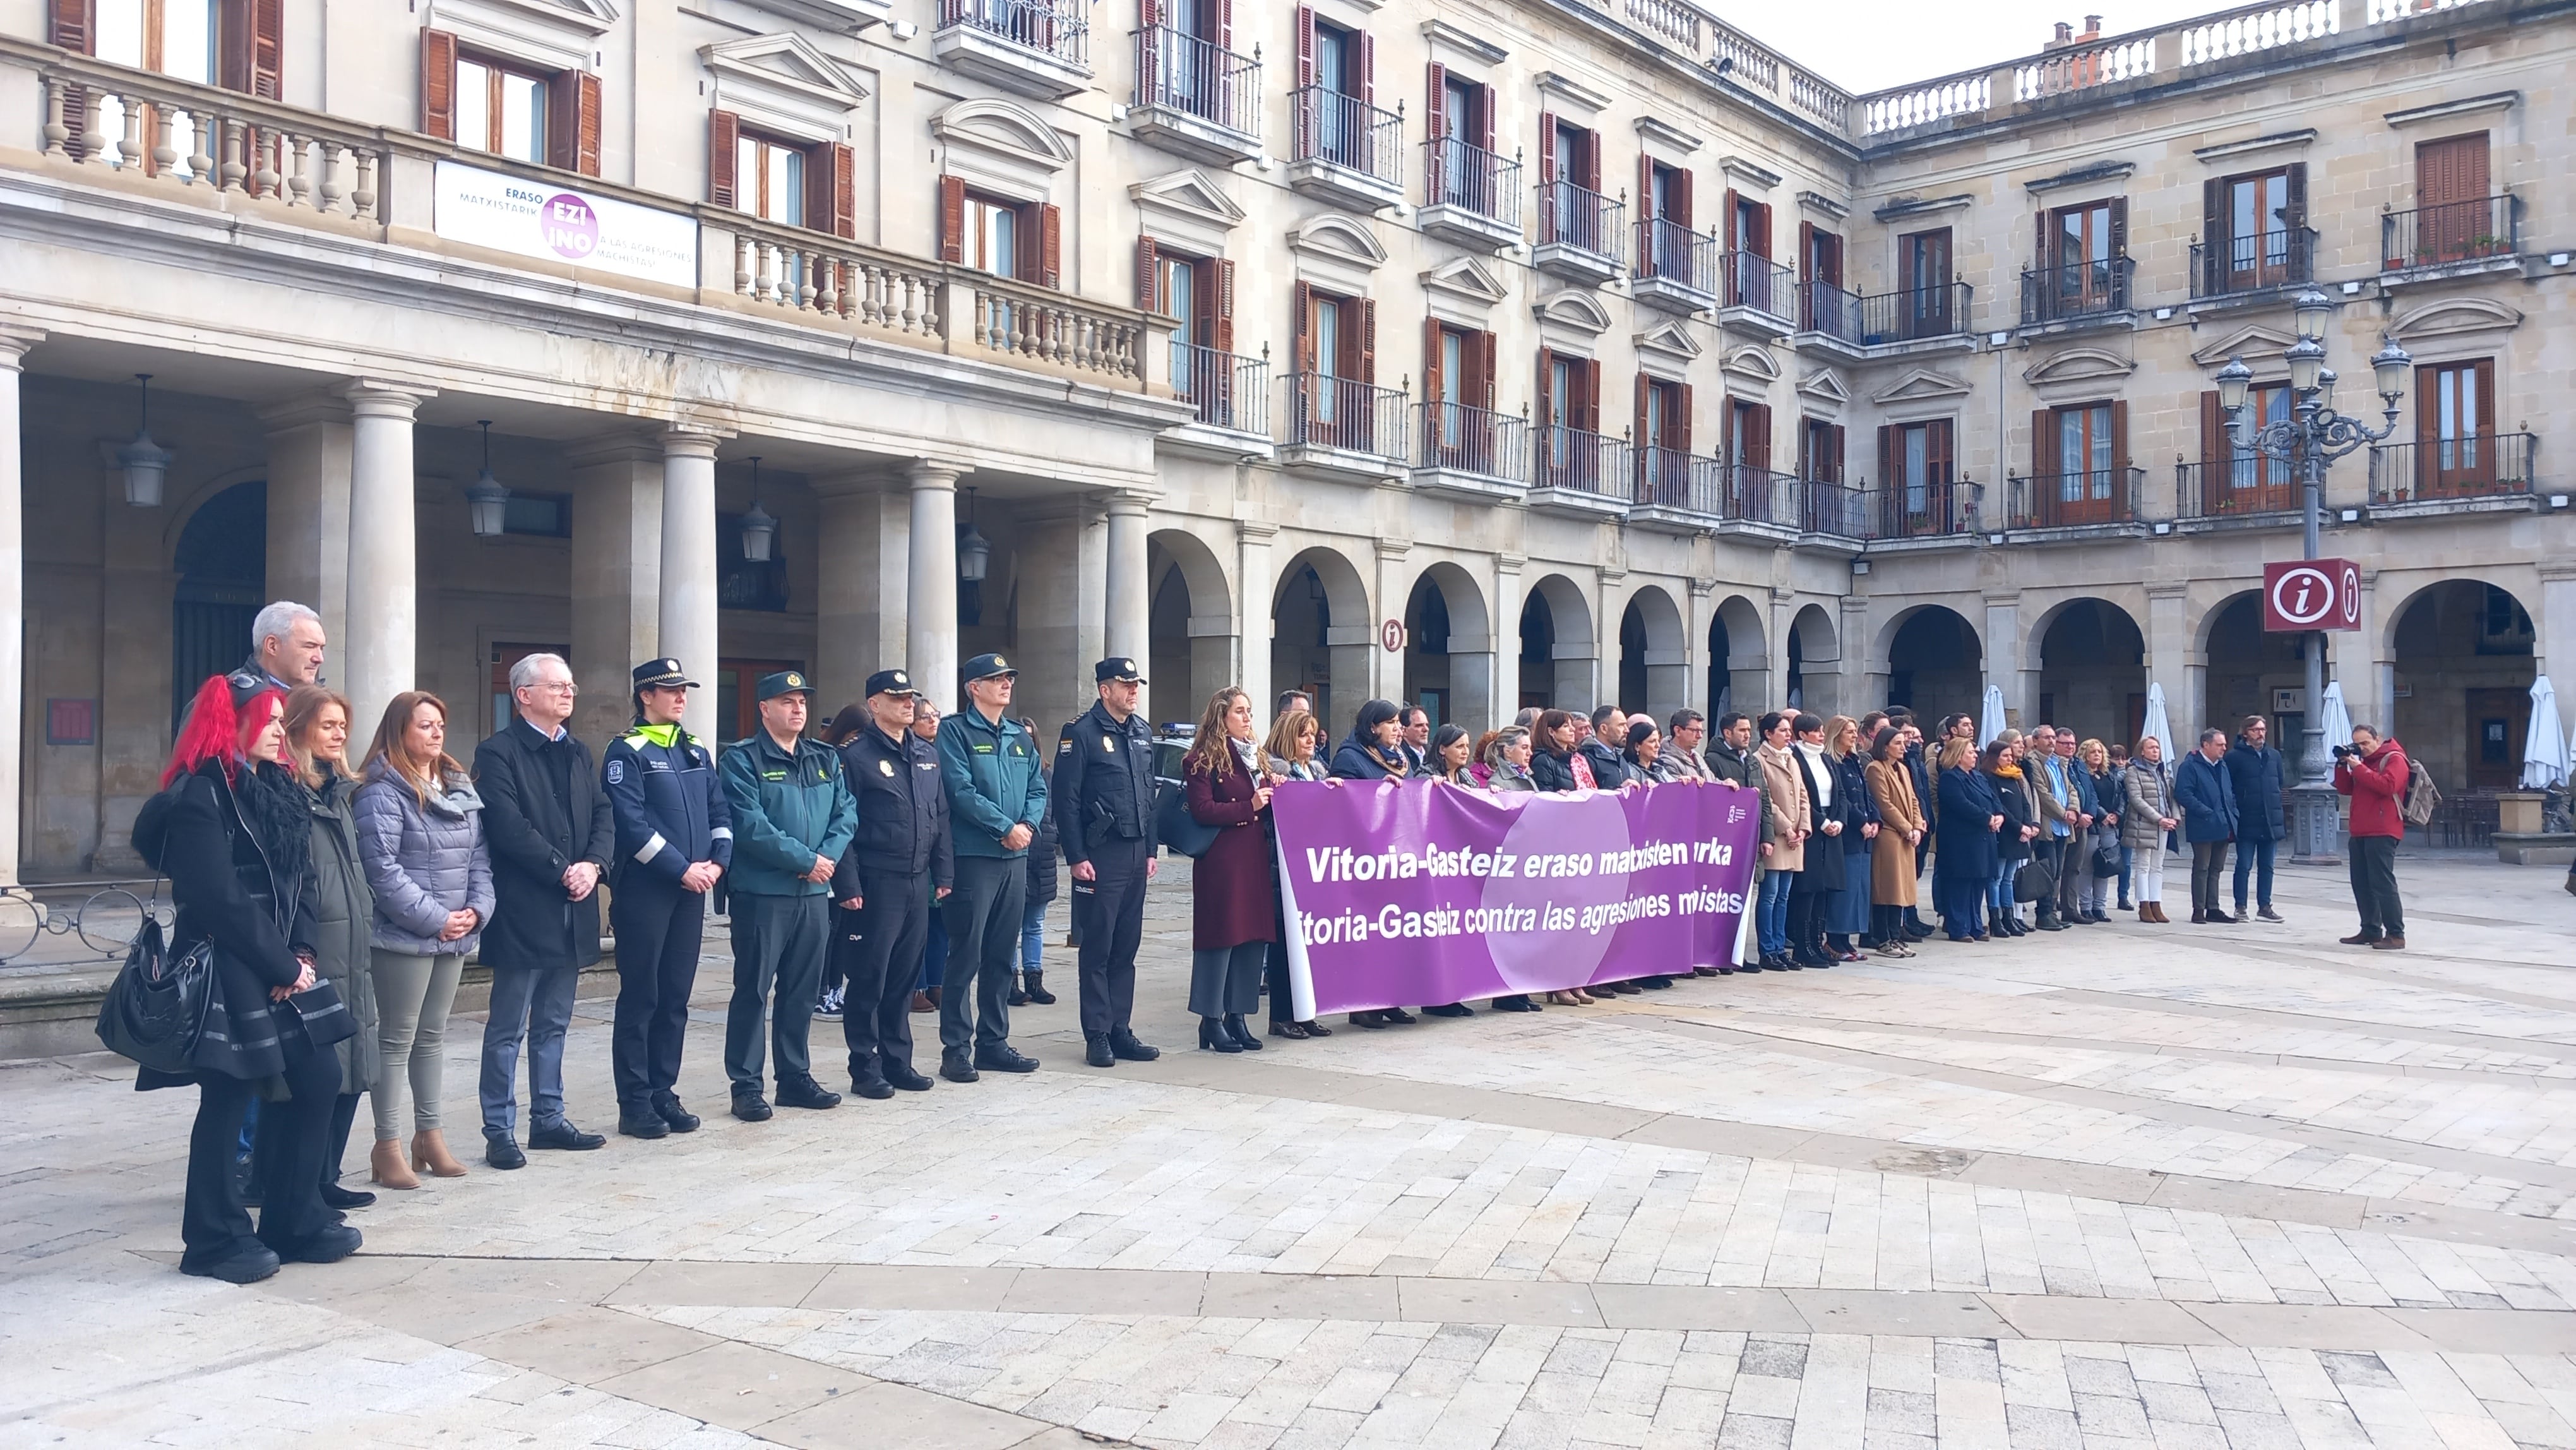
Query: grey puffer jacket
x=423, y=862
x=2150, y=798
x=344, y=912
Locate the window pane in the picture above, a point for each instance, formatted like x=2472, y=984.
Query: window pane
x=188, y=40
x=1453, y=367
x=473, y=105
x=746, y=173
x=1180, y=294
x=120, y=31
x=522, y=104
x=1328, y=338
x=1004, y=230
x=786, y=185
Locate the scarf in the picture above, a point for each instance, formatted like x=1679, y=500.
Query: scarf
x=2008, y=772
x=1250, y=756
x=275, y=807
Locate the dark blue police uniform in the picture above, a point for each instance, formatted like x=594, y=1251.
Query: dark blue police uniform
x=1104, y=779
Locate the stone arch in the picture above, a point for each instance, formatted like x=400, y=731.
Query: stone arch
x=1739, y=658
x=1814, y=642
x=1558, y=653
x=2239, y=668
x=1189, y=625
x=1449, y=646
x=2462, y=653
x=1936, y=663
x=1654, y=666
x=2088, y=657
x=1320, y=634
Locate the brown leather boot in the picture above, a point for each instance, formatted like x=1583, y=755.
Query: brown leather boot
x=385, y=1166
x=429, y=1155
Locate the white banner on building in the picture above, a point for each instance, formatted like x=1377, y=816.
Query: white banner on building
x=535, y=219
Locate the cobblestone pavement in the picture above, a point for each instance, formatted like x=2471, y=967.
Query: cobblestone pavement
x=2125, y=1186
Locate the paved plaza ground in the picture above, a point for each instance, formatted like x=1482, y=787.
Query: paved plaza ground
x=2126, y=1186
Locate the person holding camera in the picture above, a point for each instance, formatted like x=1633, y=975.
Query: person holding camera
x=2374, y=773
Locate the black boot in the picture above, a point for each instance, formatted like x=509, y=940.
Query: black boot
x=1241, y=1034
x=1214, y=1038
x=1035, y=985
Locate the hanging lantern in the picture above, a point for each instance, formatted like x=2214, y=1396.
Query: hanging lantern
x=758, y=528
x=487, y=500
x=145, y=462
x=974, y=551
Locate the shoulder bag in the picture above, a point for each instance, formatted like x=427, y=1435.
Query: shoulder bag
x=156, y=1010
x=1175, y=827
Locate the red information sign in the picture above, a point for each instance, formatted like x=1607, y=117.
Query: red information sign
x=1391, y=635
x=2313, y=594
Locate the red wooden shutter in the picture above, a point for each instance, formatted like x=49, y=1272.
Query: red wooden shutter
x=1807, y=252
x=1591, y=395
x=1485, y=117
x=1936, y=450
x=2120, y=439
x=1757, y=447
x=1368, y=68
x=1049, y=233
x=1431, y=361
x=1639, y=432
x=1588, y=171
x=1545, y=411
x=1760, y=242
x=1221, y=332
x=2486, y=404
x=1437, y=126
x=1485, y=350
x=1681, y=209
x=1734, y=208
x=438, y=86
x=250, y=34
x=75, y=25
x=724, y=138
x=1682, y=425
x=1834, y=439
x=1645, y=215
x=1149, y=276
x=1150, y=80
x=845, y=188
x=952, y=210
x=1547, y=149
x=2451, y=170
x=1304, y=306
x=1891, y=457
x=1224, y=25
x=2215, y=449
x=1368, y=340
x=587, y=127
x=1305, y=46
x=2043, y=442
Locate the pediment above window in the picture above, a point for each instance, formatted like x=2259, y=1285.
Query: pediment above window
x=2250, y=342
x=2079, y=365
x=1671, y=340
x=560, y=35
x=782, y=83
x=1824, y=387
x=1922, y=385
x=840, y=17
x=1753, y=361
x=1574, y=309
x=1005, y=131
x=1468, y=279
x=1336, y=238
x=1189, y=195
x=2453, y=315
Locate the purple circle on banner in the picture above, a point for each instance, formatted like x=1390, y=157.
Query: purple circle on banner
x=1528, y=960
x=569, y=225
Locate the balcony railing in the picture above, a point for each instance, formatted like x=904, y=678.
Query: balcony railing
x=1922, y=510
x=2071, y=290
x=1759, y=496
x=179, y=134
x=1464, y=439
x=2257, y=263
x=1231, y=391
x=1180, y=72
x=1668, y=250
x=1058, y=28
x=2235, y=488
x=1574, y=216
x=1348, y=132
x=2460, y=231
x=1755, y=281
x=1832, y=508
x=1673, y=479
x=2486, y=465
x=1457, y=174
x=2077, y=500
x=1346, y=416
x=1579, y=461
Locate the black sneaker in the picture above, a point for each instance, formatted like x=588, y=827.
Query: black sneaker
x=751, y=1107
x=1095, y=1051
x=247, y=1262
x=562, y=1136
x=812, y=1095
x=646, y=1124
x=678, y=1119
x=322, y=1246
x=2268, y=914
x=1124, y=1044
x=1003, y=1057
x=875, y=1088
x=956, y=1068
x=903, y=1079
x=504, y=1153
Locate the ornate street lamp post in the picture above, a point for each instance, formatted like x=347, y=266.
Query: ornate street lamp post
x=2313, y=436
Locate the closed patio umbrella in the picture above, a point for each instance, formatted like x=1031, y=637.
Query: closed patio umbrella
x=2544, y=750
x=1990, y=715
x=2337, y=719
x=2158, y=727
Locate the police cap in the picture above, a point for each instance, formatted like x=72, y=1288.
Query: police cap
x=891, y=682
x=988, y=666
x=1121, y=670
x=652, y=673
x=785, y=682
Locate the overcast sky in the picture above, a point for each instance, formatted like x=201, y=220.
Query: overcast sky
x=1868, y=45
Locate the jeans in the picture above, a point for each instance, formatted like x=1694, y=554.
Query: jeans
x=2124, y=875
x=1772, y=923
x=534, y=1003
x=2248, y=854
x=1033, y=938
x=1999, y=891
x=2208, y=864
x=2374, y=885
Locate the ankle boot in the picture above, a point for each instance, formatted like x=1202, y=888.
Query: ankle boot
x=385, y=1166
x=1214, y=1038
x=1035, y=986
x=429, y=1155
x=1242, y=1035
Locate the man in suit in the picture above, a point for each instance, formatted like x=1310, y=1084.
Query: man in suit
x=550, y=832
x=2208, y=800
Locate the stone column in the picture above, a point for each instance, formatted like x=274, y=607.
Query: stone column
x=2556, y=621
x=687, y=619
x=930, y=605
x=1696, y=694
x=2352, y=659
x=1253, y=625
x=616, y=577
x=1857, y=692
x=2004, y=663
x=2169, y=658
x=310, y=442
x=1784, y=619
x=1130, y=618
x=1608, y=657
x=380, y=653
x=861, y=607
x=14, y=342
x=1386, y=667
x=1507, y=639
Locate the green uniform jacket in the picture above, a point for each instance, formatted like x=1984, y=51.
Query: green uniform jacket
x=993, y=782
x=787, y=810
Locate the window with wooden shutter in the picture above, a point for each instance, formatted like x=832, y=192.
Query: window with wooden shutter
x=952, y=210
x=73, y=25
x=572, y=130
x=250, y=34
x=2453, y=220
x=1365, y=334
x=1367, y=86
x=504, y=108
x=1050, y=230
x=1217, y=298
x=1305, y=46
x=438, y=85
x=1149, y=276
x=844, y=171
x=2455, y=442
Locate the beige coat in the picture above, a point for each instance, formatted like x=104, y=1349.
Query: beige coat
x=1891, y=860
x=1791, y=811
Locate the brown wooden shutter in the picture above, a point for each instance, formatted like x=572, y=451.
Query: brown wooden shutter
x=1681, y=213
x=845, y=189
x=438, y=86
x=1760, y=242
x=724, y=139
x=1807, y=251
x=1834, y=438
x=1682, y=425
x=1430, y=360
x=587, y=128
x=1437, y=110
x=251, y=37
x=1937, y=453
x=1368, y=68
x=73, y=25
x=1485, y=344
x=2486, y=404
x=1049, y=235
x=1547, y=162
x=1221, y=329
x=1891, y=458
x=1757, y=428
x=1544, y=407
x=1646, y=215
x=1150, y=79
x=563, y=121
x=1304, y=305
x=2043, y=442
x=1149, y=276
x=1638, y=431
x=1588, y=173
x=2451, y=170
x=2297, y=208
x=1224, y=36
x=2119, y=227
x=2214, y=446
x=1592, y=395
x=2120, y=440
x=1734, y=209
x=952, y=211
x=1367, y=334
x=1305, y=46
x=2215, y=219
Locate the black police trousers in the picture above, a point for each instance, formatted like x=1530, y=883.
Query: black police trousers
x=879, y=950
x=1110, y=908
x=658, y=928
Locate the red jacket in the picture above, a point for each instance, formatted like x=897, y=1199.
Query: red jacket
x=2377, y=784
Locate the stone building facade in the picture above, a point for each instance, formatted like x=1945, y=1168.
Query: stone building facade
x=1485, y=354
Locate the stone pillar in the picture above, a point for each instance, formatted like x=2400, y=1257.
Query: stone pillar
x=861, y=605
x=1129, y=619
x=14, y=342
x=1386, y=667
x=1253, y=624
x=1608, y=658
x=1775, y=689
x=1507, y=638
x=1696, y=694
x=930, y=610
x=616, y=578
x=687, y=618
x=1047, y=562
x=2555, y=619
x=309, y=461
x=380, y=650
x=2004, y=663
x=1857, y=691
x=2170, y=664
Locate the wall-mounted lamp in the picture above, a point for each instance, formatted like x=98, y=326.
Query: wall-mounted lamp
x=757, y=527
x=485, y=499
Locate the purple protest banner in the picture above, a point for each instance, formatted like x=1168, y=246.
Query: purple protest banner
x=1416, y=893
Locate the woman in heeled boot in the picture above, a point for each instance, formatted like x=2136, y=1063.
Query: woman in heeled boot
x=317, y=740
x=2150, y=814
x=420, y=836
x=1226, y=777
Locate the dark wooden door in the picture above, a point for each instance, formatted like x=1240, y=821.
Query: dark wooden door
x=2498, y=722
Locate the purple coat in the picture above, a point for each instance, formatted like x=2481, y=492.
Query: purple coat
x=1230, y=896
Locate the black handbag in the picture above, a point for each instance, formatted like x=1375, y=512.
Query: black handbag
x=327, y=1019
x=1175, y=827
x=156, y=1010
x=2034, y=881
x=2106, y=860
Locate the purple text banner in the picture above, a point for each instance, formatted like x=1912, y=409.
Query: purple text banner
x=1414, y=894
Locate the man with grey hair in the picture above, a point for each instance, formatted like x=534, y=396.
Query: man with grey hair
x=285, y=646
x=550, y=831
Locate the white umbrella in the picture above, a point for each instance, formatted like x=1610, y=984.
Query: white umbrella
x=2336, y=717
x=1990, y=716
x=2544, y=750
x=2156, y=726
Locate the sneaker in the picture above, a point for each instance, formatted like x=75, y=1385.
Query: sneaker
x=2268, y=914
x=829, y=1009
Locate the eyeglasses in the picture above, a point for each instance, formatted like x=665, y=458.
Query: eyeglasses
x=556, y=687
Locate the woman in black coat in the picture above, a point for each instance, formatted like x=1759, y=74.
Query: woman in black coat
x=1553, y=763
x=1963, y=869
x=1374, y=750
x=232, y=831
x=2001, y=765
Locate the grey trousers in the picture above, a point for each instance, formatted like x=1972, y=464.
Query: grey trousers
x=778, y=941
x=983, y=913
x=412, y=998
x=1226, y=981
x=534, y=1004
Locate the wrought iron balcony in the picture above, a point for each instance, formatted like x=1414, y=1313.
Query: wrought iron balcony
x=1759, y=496
x=1344, y=416
x=1470, y=195
x=1489, y=448
x=1669, y=478
x=1035, y=47
x=1579, y=232
x=1676, y=267
x=1758, y=293
x=1884, y=318
x=2236, y=488
x=1195, y=98
x=2077, y=500
x=2243, y=266
x=1831, y=508
x=2442, y=236
x=2484, y=465
x=1922, y=510
x=1344, y=150
x=1231, y=391
x=1576, y=460
x=2075, y=291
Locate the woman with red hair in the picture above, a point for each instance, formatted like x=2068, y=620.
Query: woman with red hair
x=231, y=830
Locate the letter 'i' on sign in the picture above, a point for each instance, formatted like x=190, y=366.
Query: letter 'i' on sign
x=2312, y=594
x=1391, y=636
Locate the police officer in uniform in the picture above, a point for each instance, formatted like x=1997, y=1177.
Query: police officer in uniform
x=899, y=863
x=674, y=839
x=996, y=798
x=1104, y=778
x=792, y=821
